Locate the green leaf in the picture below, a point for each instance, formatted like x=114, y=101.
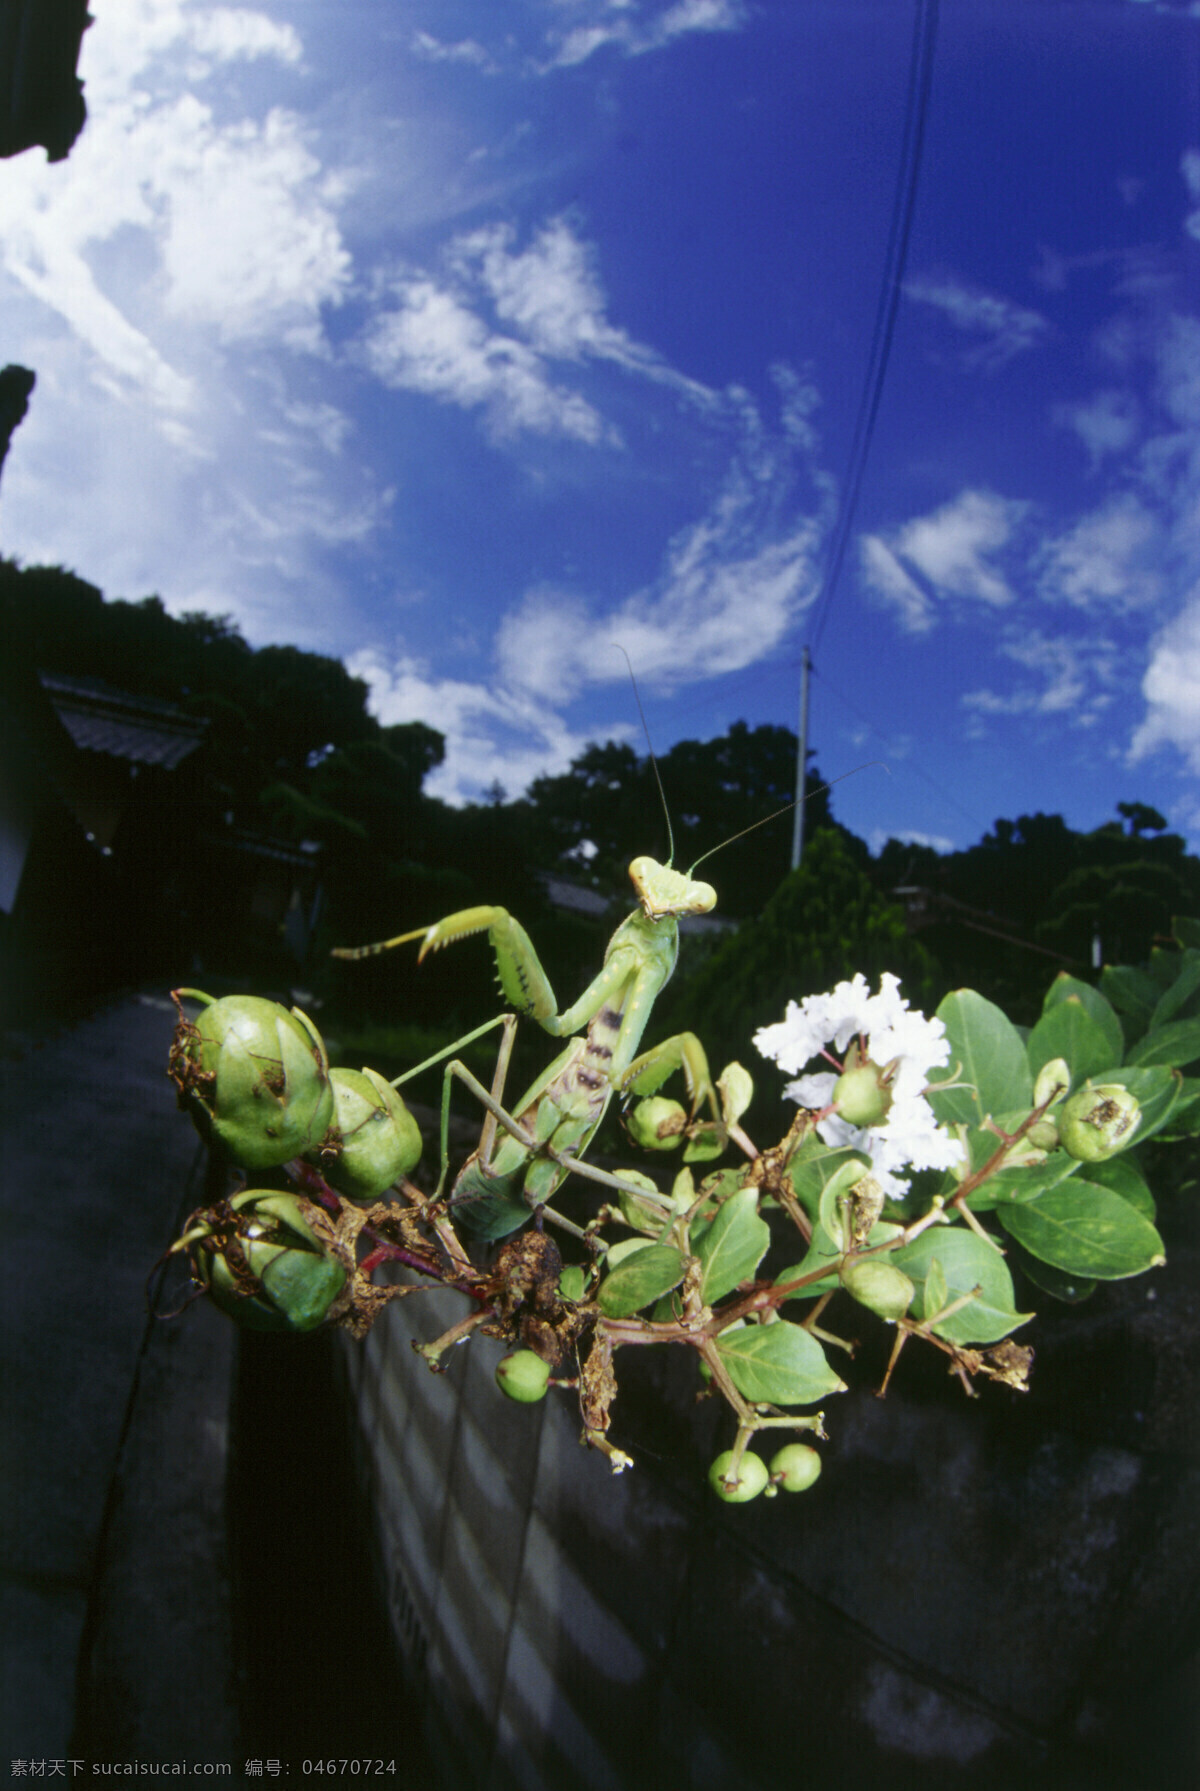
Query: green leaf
x=1179, y=996
x=1087, y=1230
x=706, y=1140
x=1132, y=993
x=778, y=1364
x=1025, y=1184
x=1185, y=1115
x=644, y=1276
x=1067, y=1030
x=733, y=1245
x=988, y=1051
x=1095, y=1005
x=571, y=1282
x=1123, y=1175
x=1176, y=1044
x=937, y=1291
x=1156, y=1088
x=735, y=1086
x=1072, y=1290
x=1187, y=931
x=811, y=1174
x=966, y=1262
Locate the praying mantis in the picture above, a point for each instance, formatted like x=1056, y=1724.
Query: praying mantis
x=554, y=1123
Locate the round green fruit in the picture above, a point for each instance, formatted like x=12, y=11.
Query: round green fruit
x=1097, y=1122
x=879, y=1286
x=523, y=1376
x=795, y=1467
x=752, y=1477
x=255, y=1078
x=657, y=1123
x=380, y=1141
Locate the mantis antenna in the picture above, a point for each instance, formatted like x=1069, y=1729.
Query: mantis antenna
x=637, y=697
x=786, y=809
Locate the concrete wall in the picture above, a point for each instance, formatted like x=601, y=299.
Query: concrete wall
x=987, y=1593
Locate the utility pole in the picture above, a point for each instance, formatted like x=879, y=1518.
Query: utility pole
x=801, y=762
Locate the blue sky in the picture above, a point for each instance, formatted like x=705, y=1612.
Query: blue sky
x=467, y=340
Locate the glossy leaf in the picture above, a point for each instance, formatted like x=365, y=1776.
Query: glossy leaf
x=966, y=1263
x=1095, y=1005
x=1176, y=1044
x=1123, y=1175
x=643, y=1277
x=811, y=1174
x=1025, y=1184
x=1067, y=1030
x=1085, y=1229
x=1133, y=993
x=1072, y=1290
x=989, y=1054
x=778, y=1364
x=732, y=1246
x=1180, y=997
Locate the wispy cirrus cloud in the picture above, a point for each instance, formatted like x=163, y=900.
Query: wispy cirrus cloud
x=999, y=328
x=503, y=329
x=1065, y=677
x=947, y=555
x=1171, y=688
x=1109, y=560
x=613, y=23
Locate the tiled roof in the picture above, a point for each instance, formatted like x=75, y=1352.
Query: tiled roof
x=141, y=730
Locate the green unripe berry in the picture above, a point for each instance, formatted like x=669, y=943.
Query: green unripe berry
x=1096, y=1123
x=752, y=1477
x=523, y=1376
x=861, y=1096
x=795, y=1467
x=265, y=1267
x=879, y=1286
x=657, y=1123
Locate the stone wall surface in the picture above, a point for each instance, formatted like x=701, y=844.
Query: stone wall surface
x=991, y=1593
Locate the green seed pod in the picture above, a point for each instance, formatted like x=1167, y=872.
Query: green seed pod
x=861, y=1096
x=752, y=1477
x=795, y=1467
x=1098, y=1122
x=879, y=1286
x=379, y=1138
x=254, y=1077
x=264, y=1265
x=523, y=1376
x=657, y=1123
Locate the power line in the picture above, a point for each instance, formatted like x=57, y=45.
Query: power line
x=920, y=75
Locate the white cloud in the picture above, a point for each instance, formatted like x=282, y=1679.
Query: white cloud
x=1106, y=424
x=1109, y=559
x=908, y=836
x=497, y=331
x=433, y=343
x=634, y=38
x=1069, y=677
x=491, y=734
x=1189, y=167
x=432, y=49
x=1171, y=687
x=732, y=586
x=162, y=281
x=1003, y=329
x=945, y=555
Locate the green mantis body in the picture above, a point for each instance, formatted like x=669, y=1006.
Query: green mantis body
x=555, y=1121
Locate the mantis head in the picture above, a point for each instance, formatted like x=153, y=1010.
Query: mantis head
x=662, y=891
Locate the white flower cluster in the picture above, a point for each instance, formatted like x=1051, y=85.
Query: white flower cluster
x=909, y=1137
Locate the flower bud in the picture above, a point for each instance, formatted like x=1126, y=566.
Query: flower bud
x=657, y=1123
x=1098, y=1122
x=879, y=1286
x=751, y=1479
x=379, y=1139
x=861, y=1095
x=263, y=1264
x=523, y=1376
x=1053, y=1081
x=795, y=1467
x=254, y=1077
